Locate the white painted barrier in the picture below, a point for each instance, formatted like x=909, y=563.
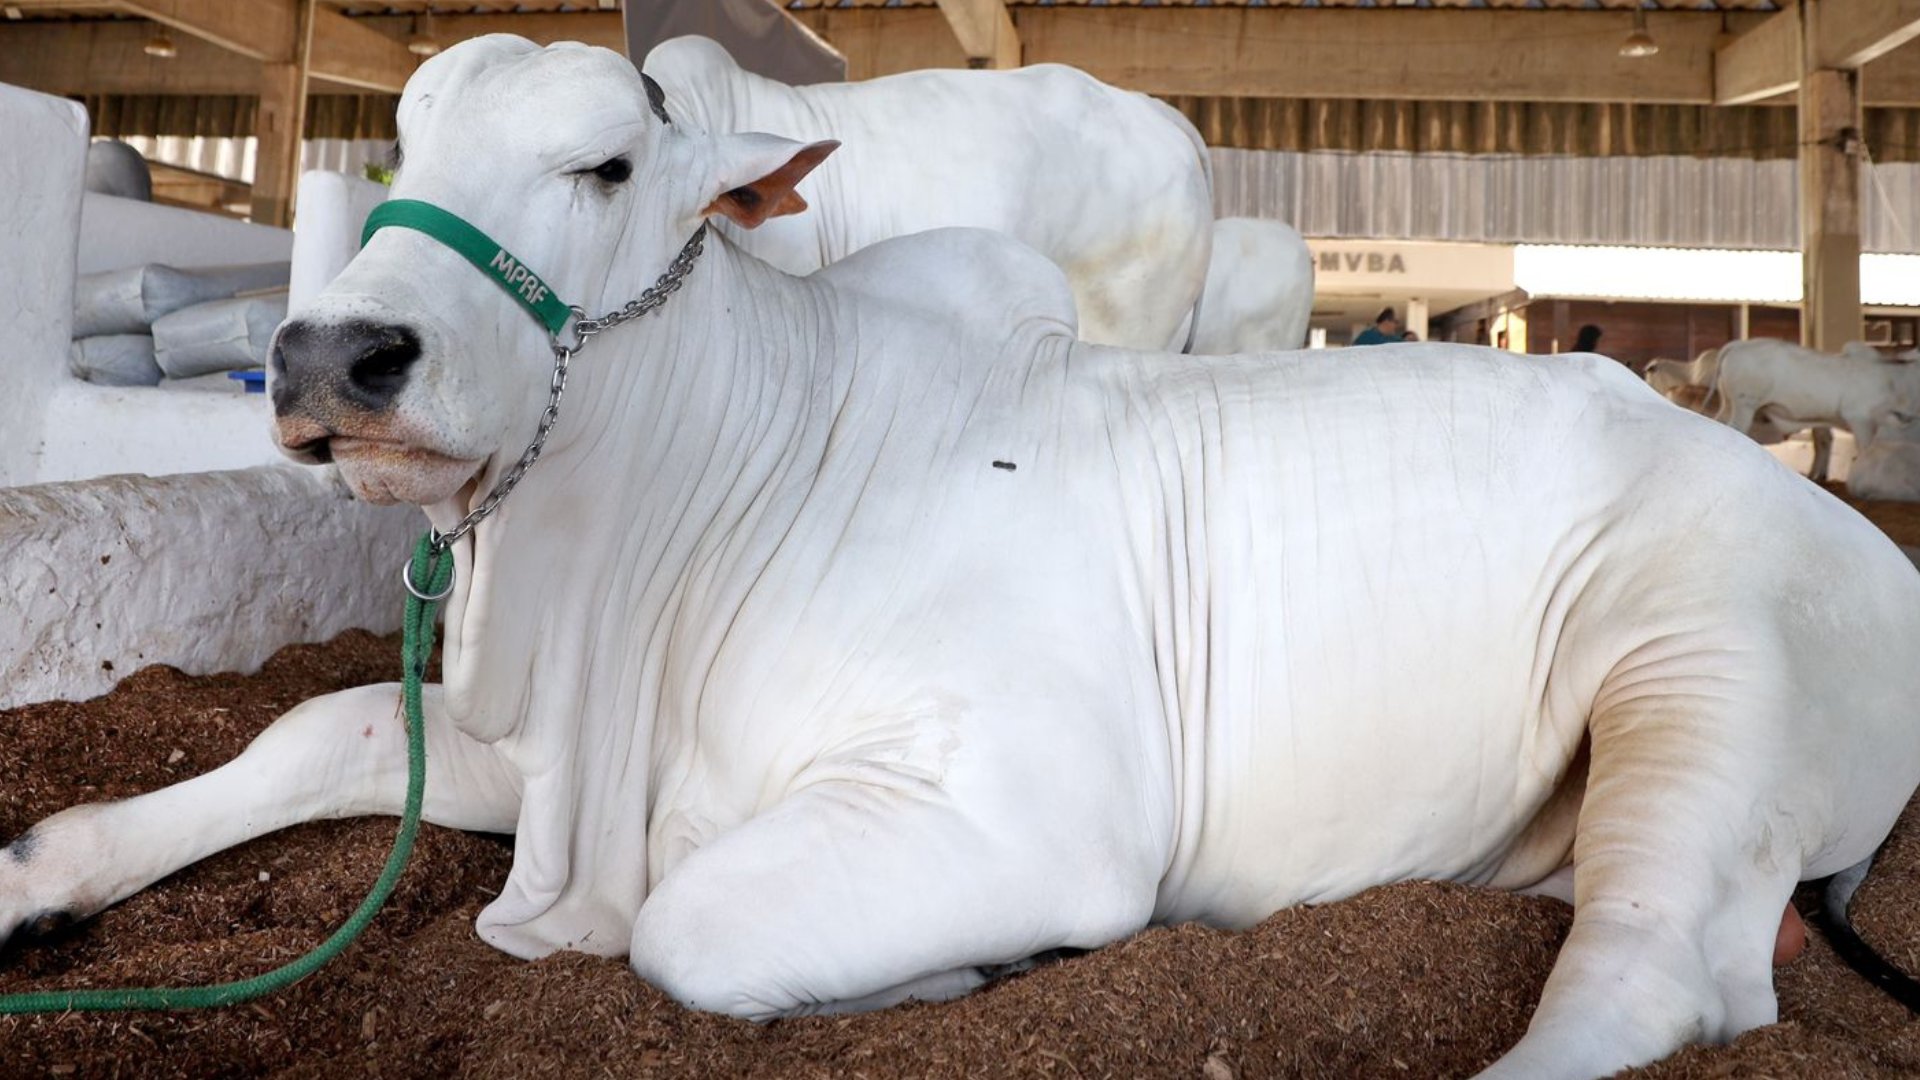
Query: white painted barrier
x=177, y=427
x=207, y=572
x=41, y=172
x=333, y=210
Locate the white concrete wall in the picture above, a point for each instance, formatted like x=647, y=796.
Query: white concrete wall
x=197, y=426
x=43, y=148
x=208, y=572
x=123, y=232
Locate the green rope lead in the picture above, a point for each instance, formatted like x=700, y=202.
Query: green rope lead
x=431, y=570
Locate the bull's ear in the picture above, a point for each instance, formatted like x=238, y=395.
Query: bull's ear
x=758, y=174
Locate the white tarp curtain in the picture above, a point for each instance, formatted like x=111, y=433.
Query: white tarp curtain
x=1644, y=201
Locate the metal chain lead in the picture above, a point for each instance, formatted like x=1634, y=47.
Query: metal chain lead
x=584, y=328
x=656, y=294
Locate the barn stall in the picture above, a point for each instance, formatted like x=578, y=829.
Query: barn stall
x=1676, y=127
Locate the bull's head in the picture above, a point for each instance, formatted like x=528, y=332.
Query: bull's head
x=412, y=370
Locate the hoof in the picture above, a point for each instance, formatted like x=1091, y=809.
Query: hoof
x=39, y=928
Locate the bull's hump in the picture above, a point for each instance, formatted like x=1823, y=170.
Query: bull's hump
x=974, y=275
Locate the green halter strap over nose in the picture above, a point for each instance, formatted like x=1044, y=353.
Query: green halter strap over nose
x=478, y=248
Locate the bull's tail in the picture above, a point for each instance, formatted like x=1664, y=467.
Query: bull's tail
x=1715, y=404
x=1836, y=899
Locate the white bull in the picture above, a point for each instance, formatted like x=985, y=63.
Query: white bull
x=1109, y=184
x=863, y=631
x=1259, y=292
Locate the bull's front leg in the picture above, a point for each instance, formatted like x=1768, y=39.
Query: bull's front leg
x=874, y=887
x=339, y=755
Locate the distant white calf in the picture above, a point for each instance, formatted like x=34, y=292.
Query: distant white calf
x=1667, y=375
x=1693, y=385
x=1259, y=294
x=1797, y=387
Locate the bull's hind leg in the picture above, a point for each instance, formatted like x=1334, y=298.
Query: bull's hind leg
x=341, y=755
x=1684, y=862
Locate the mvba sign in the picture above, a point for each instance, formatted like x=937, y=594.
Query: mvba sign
x=1355, y=262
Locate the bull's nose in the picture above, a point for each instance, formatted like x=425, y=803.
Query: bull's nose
x=363, y=361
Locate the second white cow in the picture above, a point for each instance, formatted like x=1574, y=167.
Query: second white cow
x=1259, y=294
x=1110, y=185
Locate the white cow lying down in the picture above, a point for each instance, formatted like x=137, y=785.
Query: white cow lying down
x=1259, y=291
x=1109, y=184
x=865, y=630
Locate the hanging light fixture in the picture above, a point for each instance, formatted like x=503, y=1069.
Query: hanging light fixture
x=1639, y=43
x=161, y=45
x=421, y=42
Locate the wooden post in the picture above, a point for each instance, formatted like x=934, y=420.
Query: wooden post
x=986, y=31
x=279, y=125
x=1830, y=132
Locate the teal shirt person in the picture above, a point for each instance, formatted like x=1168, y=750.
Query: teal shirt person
x=1384, y=331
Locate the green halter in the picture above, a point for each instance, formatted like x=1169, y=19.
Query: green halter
x=477, y=248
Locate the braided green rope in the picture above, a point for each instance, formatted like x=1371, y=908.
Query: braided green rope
x=431, y=570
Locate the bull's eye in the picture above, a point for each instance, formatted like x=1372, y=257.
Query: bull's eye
x=614, y=170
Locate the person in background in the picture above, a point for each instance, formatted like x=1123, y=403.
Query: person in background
x=1588, y=340
x=1384, y=331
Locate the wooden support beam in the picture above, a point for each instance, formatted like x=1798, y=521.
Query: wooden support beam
x=1894, y=79
x=1851, y=33
x=985, y=32
x=1830, y=121
x=1832, y=34
x=1463, y=55
x=879, y=41
x=1294, y=52
x=260, y=29
x=177, y=186
x=344, y=50
x=347, y=52
x=602, y=28
x=279, y=124
x=1759, y=64
x=98, y=57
